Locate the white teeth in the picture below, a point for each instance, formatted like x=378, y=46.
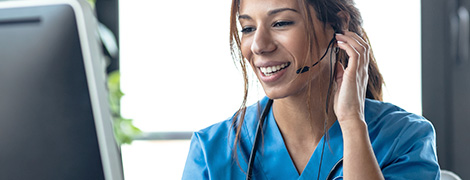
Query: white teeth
x=269, y=71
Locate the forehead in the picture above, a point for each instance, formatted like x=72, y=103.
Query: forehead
x=260, y=6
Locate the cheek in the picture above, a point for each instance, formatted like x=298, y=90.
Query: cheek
x=296, y=44
x=245, y=47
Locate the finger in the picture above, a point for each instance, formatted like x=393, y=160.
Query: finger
x=358, y=38
x=339, y=72
x=350, y=38
x=366, y=47
x=359, y=44
x=353, y=54
x=362, y=42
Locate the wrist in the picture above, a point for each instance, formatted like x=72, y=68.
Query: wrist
x=353, y=126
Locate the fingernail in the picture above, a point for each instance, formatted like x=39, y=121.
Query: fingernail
x=340, y=42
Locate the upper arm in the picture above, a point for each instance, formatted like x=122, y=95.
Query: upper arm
x=415, y=155
x=196, y=166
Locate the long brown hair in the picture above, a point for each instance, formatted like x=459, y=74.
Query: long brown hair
x=327, y=11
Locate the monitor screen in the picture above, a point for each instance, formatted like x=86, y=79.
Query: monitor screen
x=53, y=121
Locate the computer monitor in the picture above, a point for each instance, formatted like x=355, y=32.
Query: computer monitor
x=54, y=115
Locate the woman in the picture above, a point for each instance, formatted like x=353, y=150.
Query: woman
x=322, y=117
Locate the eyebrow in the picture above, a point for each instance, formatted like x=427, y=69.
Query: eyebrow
x=270, y=13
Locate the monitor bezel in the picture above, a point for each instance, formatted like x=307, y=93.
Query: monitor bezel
x=87, y=26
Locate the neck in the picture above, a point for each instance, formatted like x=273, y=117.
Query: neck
x=303, y=121
x=302, y=125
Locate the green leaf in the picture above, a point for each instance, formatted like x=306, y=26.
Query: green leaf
x=124, y=130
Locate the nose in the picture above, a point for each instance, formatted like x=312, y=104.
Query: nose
x=263, y=42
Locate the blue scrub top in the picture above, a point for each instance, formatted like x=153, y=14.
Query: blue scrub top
x=404, y=144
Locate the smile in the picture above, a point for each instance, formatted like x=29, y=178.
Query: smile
x=269, y=71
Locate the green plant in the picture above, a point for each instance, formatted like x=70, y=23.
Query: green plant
x=124, y=130
x=92, y=3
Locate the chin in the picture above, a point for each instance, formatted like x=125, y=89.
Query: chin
x=293, y=90
x=275, y=94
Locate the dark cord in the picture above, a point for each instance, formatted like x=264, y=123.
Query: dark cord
x=306, y=68
x=327, y=105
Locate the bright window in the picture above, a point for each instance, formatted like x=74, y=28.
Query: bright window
x=394, y=29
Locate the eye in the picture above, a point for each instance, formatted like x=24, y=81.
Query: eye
x=283, y=23
x=247, y=29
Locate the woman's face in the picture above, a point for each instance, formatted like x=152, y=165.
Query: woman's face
x=274, y=41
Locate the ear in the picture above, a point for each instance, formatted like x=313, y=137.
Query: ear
x=343, y=21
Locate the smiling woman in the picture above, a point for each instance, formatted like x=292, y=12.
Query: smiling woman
x=179, y=76
x=339, y=99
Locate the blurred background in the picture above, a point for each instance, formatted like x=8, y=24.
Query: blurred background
x=178, y=77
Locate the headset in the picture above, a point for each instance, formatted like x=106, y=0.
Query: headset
x=270, y=102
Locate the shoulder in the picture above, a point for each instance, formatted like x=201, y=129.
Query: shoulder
x=401, y=138
x=386, y=116
x=391, y=123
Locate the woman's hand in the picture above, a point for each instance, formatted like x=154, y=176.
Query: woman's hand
x=351, y=83
x=351, y=87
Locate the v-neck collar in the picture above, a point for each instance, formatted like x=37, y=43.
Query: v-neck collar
x=276, y=161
